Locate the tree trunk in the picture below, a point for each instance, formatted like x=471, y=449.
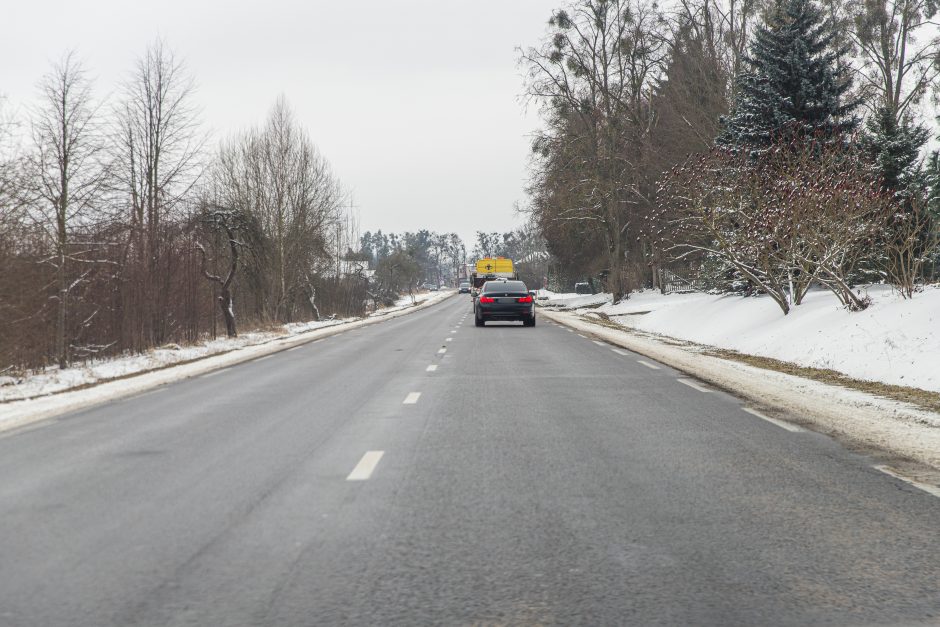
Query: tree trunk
x=226, y=302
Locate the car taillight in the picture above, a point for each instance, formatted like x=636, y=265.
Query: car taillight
x=525, y=299
x=487, y=299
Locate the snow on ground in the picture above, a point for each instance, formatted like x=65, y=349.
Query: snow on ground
x=572, y=301
x=894, y=341
x=54, y=380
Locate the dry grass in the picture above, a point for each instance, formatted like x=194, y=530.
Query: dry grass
x=915, y=396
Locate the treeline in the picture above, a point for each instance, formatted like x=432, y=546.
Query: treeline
x=404, y=262
x=121, y=230
x=763, y=145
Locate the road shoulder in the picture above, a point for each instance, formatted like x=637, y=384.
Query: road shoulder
x=899, y=433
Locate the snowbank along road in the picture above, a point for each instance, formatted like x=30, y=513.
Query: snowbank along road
x=426, y=471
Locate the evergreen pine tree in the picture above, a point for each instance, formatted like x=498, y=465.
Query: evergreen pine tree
x=894, y=148
x=793, y=82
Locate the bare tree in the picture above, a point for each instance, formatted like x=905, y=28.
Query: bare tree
x=277, y=174
x=733, y=25
x=800, y=214
x=900, y=50
x=912, y=240
x=158, y=160
x=593, y=78
x=226, y=221
x=65, y=177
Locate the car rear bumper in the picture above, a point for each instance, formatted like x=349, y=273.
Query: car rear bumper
x=505, y=312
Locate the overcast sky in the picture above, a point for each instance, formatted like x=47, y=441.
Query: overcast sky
x=414, y=102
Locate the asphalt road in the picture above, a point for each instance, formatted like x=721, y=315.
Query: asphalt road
x=538, y=478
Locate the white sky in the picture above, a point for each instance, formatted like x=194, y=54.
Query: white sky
x=414, y=102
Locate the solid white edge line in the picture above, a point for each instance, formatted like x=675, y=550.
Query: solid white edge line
x=694, y=385
x=891, y=472
x=431, y=368
x=412, y=398
x=296, y=348
x=773, y=421
x=366, y=466
x=262, y=358
x=620, y=352
x=647, y=364
x=599, y=343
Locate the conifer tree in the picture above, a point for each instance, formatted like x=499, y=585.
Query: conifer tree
x=793, y=82
x=894, y=148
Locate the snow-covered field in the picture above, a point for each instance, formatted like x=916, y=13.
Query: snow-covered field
x=894, y=341
x=54, y=380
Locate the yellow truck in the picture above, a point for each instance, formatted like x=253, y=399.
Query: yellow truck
x=490, y=268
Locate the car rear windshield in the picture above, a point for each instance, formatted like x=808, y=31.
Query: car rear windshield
x=509, y=287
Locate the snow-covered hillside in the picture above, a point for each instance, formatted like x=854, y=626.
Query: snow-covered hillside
x=894, y=341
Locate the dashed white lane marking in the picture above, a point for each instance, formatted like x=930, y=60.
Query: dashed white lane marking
x=412, y=398
x=647, y=364
x=366, y=466
x=431, y=368
x=598, y=343
x=442, y=351
x=929, y=489
x=569, y=330
x=581, y=336
x=450, y=339
x=620, y=352
x=694, y=385
x=773, y=421
x=213, y=373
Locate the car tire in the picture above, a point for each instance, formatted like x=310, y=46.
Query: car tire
x=478, y=321
x=528, y=322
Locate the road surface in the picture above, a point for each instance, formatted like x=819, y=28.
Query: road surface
x=424, y=471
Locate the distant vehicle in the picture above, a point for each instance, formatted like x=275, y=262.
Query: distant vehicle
x=583, y=288
x=464, y=287
x=434, y=288
x=490, y=268
x=504, y=300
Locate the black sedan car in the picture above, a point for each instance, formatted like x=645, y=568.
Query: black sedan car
x=505, y=300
